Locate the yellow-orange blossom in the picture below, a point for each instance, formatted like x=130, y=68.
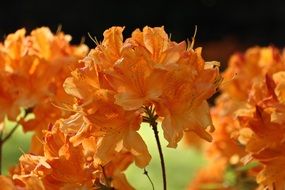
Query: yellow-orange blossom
x=108, y=90
x=249, y=117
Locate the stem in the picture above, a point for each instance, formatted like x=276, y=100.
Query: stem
x=10, y=133
x=162, y=163
x=1, y=143
x=146, y=173
x=4, y=139
x=151, y=119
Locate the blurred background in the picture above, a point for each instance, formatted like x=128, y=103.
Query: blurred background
x=235, y=25
x=224, y=27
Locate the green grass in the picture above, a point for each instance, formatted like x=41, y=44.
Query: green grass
x=181, y=163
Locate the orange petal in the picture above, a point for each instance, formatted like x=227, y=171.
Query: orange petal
x=136, y=145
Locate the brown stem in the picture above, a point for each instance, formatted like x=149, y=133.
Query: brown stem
x=162, y=163
x=4, y=139
x=10, y=133
x=151, y=119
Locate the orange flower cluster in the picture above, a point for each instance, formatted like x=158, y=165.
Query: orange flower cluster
x=249, y=117
x=120, y=78
x=32, y=71
x=64, y=166
x=116, y=87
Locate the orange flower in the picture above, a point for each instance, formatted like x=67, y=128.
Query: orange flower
x=210, y=176
x=94, y=137
x=261, y=117
x=224, y=144
x=25, y=82
x=157, y=47
x=32, y=169
x=224, y=151
x=137, y=82
x=115, y=168
x=249, y=114
x=27, y=59
x=105, y=55
x=183, y=102
x=253, y=65
x=7, y=183
x=62, y=166
x=135, y=77
x=98, y=138
x=69, y=167
x=272, y=176
x=120, y=77
x=108, y=120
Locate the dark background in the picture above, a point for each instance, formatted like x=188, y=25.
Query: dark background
x=224, y=26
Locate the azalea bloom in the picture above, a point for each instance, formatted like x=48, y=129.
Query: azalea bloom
x=260, y=118
x=64, y=166
x=25, y=60
x=249, y=116
x=212, y=176
x=88, y=113
x=25, y=82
